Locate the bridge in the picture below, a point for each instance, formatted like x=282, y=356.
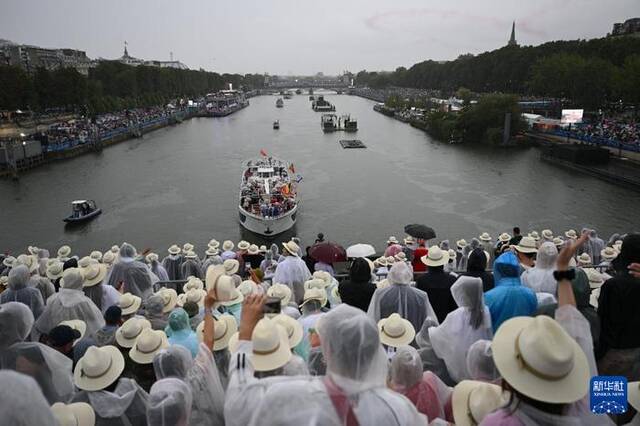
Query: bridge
x=309, y=84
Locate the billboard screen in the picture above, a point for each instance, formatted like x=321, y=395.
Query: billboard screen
x=571, y=116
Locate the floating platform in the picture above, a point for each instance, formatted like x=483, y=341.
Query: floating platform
x=352, y=143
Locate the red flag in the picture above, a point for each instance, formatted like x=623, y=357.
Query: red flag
x=263, y=153
x=292, y=169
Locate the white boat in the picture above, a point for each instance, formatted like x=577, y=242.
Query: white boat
x=268, y=202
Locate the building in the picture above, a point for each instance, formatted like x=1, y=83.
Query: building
x=130, y=60
x=32, y=57
x=628, y=27
x=512, y=40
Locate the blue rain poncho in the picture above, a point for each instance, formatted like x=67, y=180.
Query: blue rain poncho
x=509, y=298
x=179, y=331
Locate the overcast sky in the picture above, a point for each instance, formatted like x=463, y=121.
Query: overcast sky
x=302, y=36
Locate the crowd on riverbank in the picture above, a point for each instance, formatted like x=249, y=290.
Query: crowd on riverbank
x=623, y=131
x=257, y=335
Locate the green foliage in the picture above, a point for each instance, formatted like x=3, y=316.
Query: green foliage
x=478, y=121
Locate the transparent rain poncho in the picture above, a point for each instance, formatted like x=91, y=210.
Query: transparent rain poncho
x=18, y=291
x=16, y=321
x=153, y=307
x=172, y=265
x=509, y=298
x=179, y=331
x=480, y=365
x=427, y=392
x=462, y=327
x=159, y=270
x=169, y=403
x=43, y=284
x=593, y=246
x=22, y=402
x=292, y=272
x=431, y=361
x=125, y=405
x=135, y=275
x=540, y=277
x=191, y=268
x=48, y=367
x=210, y=261
x=68, y=304
x=400, y=297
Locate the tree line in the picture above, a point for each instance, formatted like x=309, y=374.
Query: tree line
x=110, y=86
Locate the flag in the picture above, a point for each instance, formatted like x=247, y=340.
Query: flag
x=285, y=189
x=291, y=168
x=299, y=178
x=263, y=153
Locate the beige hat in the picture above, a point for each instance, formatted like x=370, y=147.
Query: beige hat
x=196, y=296
x=435, y=257
x=227, y=245
x=485, y=236
x=129, y=303
x=392, y=240
x=383, y=283
x=263, y=249
x=291, y=248
x=98, y=368
x=231, y=266
x=584, y=259
x=213, y=243
x=527, y=245
x=193, y=283
x=128, y=332
x=108, y=258
x=190, y=255
x=97, y=255
x=547, y=234
x=54, y=270
x=76, y=414
x=253, y=249
x=28, y=261
x=390, y=260
x=226, y=292
x=213, y=273
x=281, y=291
x=115, y=249
x=187, y=247
x=270, y=346
x=595, y=278
x=558, y=242
x=473, y=400
x=401, y=257
x=174, y=250
x=223, y=328
x=147, y=345
x=395, y=331
x=504, y=237
x=92, y=271
x=315, y=283
x=408, y=240
x=572, y=234
x=4, y=281
x=77, y=325
x=453, y=255
x=381, y=261
x=247, y=287
x=292, y=327
x=169, y=298
x=534, y=235
x=33, y=250
x=324, y=276
x=8, y=261
x=539, y=359
x=152, y=257
x=593, y=298
x=212, y=251
x=633, y=395
x=607, y=253
x=461, y=243
x=315, y=293
x=64, y=252
x=243, y=245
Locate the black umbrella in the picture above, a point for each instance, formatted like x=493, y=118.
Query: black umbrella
x=420, y=231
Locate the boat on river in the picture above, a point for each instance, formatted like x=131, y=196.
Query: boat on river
x=279, y=103
x=268, y=201
x=349, y=124
x=276, y=125
x=321, y=105
x=329, y=123
x=82, y=211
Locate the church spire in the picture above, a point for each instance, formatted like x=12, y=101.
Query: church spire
x=512, y=40
x=125, y=49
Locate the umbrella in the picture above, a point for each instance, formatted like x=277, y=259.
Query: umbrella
x=360, y=250
x=420, y=231
x=328, y=252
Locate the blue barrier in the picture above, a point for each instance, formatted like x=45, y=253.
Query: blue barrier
x=597, y=140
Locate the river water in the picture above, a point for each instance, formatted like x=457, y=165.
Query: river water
x=180, y=184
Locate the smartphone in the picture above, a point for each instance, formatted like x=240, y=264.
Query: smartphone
x=273, y=305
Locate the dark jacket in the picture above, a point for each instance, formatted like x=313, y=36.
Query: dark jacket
x=476, y=267
x=437, y=284
x=358, y=289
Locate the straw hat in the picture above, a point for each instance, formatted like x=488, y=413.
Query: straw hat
x=633, y=395
x=128, y=332
x=174, y=250
x=223, y=328
x=77, y=325
x=97, y=255
x=504, y=237
x=213, y=273
x=190, y=255
x=152, y=257
x=227, y=245
x=64, y=252
x=76, y=414
x=584, y=259
x=395, y=331
x=324, y=276
x=435, y=257
x=231, y=266
x=33, y=250
x=595, y=278
x=196, y=296
x=253, y=249
x=92, y=271
x=408, y=240
x=461, y=243
x=315, y=293
x=572, y=234
x=147, y=345
x=270, y=346
x=169, y=298
x=534, y=235
x=381, y=261
x=98, y=368
x=453, y=254
x=246, y=287
x=558, y=242
x=607, y=253
x=28, y=261
x=213, y=243
x=108, y=258
x=292, y=327
x=226, y=292
x=547, y=234
x=243, y=245
x=4, y=281
x=263, y=249
x=473, y=400
x=527, y=245
x=485, y=236
x=315, y=283
x=8, y=261
x=211, y=251
x=187, y=247
x=540, y=360
x=291, y=248
x=383, y=283
x=193, y=283
x=390, y=260
x=114, y=249
x=392, y=240
x=129, y=303
x=281, y=291
x=54, y=270
x=401, y=257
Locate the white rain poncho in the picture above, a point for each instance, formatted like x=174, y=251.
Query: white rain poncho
x=126, y=405
x=427, y=392
x=18, y=291
x=430, y=361
x=202, y=376
x=68, y=304
x=191, y=268
x=169, y=403
x=16, y=320
x=292, y=272
x=172, y=264
x=400, y=297
x=153, y=307
x=540, y=277
x=592, y=247
x=221, y=359
x=43, y=284
x=462, y=327
x=135, y=275
x=480, y=365
x=22, y=403
x=356, y=369
x=210, y=261
x=48, y=367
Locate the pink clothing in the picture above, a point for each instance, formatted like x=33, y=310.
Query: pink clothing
x=431, y=397
x=392, y=250
x=501, y=418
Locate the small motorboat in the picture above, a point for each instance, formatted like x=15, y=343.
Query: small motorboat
x=82, y=210
x=279, y=103
x=276, y=125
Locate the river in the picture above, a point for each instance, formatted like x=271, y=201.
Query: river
x=180, y=184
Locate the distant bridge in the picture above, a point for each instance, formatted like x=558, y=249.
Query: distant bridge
x=306, y=84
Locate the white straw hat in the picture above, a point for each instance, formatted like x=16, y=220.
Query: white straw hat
x=213, y=273
x=108, y=258
x=526, y=245
x=223, y=328
x=315, y=293
x=461, y=243
x=292, y=327
x=97, y=255
x=193, y=283
x=114, y=249
x=4, y=281
x=210, y=251
x=547, y=234
x=147, y=345
x=253, y=249
x=281, y=291
x=395, y=331
x=381, y=261
x=291, y=248
x=169, y=298
x=572, y=234
x=263, y=249
x=473, y=400
x=226, y=292
x=595, y=278
x=539, y=359
x=231, y=266
x=187, y=247
x=92, y=271
x=247, y=287
x=504, y=237
x=408, y=240
x=76, y=414
x=584, y=259
x=243, y=245
x=98, y=368
x=128, y=332
x=129, y=303
x=315, y=283
x=194, y=295
x=152, y=257
x=28, y=261
x=534, y=235
x=485, y=236
x=174, y=250
x=401, y=257
x=558, y=242
x=270, y=346
x=325, y=276
x=54, y=270
x=435, y=257
x=64, y=252
x=78, y=325
x=8, y=261
x=390, y=260
x=213, y=243
x=383, y=283
x=227, y=245
x=453, y=255
x=608, y=253
x=190, y=255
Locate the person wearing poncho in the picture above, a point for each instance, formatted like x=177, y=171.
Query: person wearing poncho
x=19, y=291
x=135, y=275
x=179, y=331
